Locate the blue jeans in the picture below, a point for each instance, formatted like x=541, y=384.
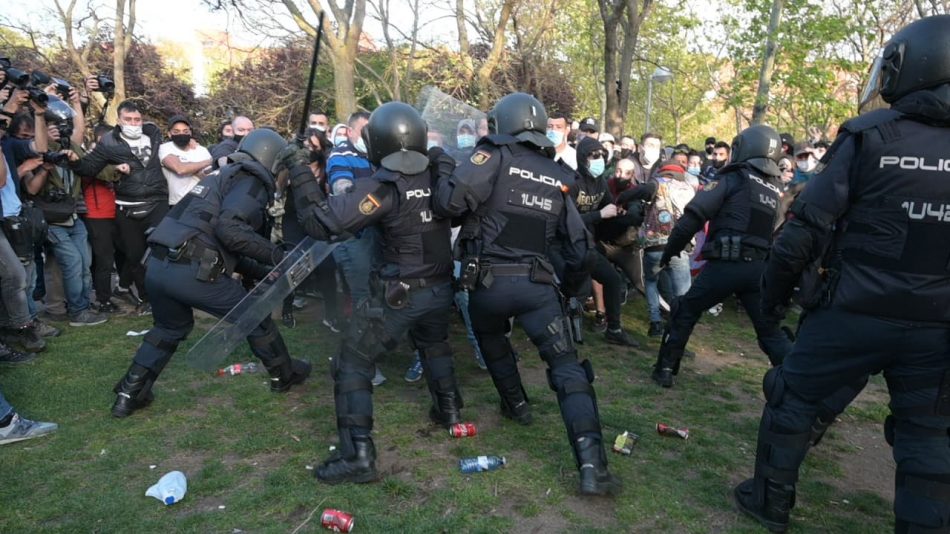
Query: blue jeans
x=678, y=274
x=14, y=280
x=356, y=259
x=5, y=408
x=70, y=245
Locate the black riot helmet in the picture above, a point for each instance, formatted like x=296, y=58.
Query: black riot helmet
x=760, y=146
x=263, y=145
x=520, y=115
x=917, y=57
x=395, y=138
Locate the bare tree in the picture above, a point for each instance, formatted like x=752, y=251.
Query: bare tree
x=122, y=43
x=483, y=78
x=622, y=21
x=761, y=106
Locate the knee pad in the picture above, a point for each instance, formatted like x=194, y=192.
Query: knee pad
x=163, y=344
x=437, y=350
x=773, y=386
x=494, y=346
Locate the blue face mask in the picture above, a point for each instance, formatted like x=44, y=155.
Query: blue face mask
x=466, y=141
x=339, y=140
x=596, y=167
x=693, y=170
x=556, y=137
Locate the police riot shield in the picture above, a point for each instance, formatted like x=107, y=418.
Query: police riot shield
x=232, y=329
x=451, y=122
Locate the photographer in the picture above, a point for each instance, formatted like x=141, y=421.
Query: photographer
x=16, y=265
x=58, y=192
x=141, y=193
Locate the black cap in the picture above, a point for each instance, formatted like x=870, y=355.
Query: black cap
x=710, y=141
x=787, y=139
x=588, y=125
x=178, y=118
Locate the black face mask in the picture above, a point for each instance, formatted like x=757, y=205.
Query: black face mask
x=625, y=153
x=181, y=140
x=237, y=138
x=709, y=149
x=719, y=163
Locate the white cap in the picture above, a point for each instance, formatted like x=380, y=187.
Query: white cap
x=604, y=136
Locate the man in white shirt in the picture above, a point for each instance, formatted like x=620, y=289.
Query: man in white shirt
x=558, y=128
x=184, y=161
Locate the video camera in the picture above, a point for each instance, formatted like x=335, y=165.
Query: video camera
x=22, y=80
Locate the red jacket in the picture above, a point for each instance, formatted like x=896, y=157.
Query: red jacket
x=100, y=198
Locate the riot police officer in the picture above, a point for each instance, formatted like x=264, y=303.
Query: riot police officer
x=741, y=209
x=220, y=227
x=514, y=198
x=875, y=218
x=416, y=275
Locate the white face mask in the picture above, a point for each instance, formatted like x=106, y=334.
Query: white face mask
x=319, y=127
x=360, y=145
x=650, y=156
x=806, y=165
x=132, y=132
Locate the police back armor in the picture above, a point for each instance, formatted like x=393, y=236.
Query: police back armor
x=894, y=240
x=742, y=213
x=520, y=218
x=196, y=216
x=415, y=240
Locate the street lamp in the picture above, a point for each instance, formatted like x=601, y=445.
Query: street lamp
x=661, y=75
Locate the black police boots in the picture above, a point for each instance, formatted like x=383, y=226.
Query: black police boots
x=592, y=462
x=514, y=405
x=284, y=371
x=359, y=468
x=133, y=392
x=779, y=501
x=667, y=365
x=446, y=407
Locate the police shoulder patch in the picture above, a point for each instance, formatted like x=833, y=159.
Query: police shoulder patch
x=200, y=190
x=369, y=204
x=480, y=157
x=711, y=185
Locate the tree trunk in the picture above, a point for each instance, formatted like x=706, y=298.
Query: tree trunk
x=122, y=42
x=610, y=14
x=633, y=21
x=483, y=79
x=464, y=48
x=761, y=107
x=344, y=70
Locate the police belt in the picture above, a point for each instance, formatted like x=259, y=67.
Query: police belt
x=508, y=269
x=419, y=283
x=745, y=254
x=190, y=251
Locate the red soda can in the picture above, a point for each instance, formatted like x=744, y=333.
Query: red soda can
x=666, y=430
x=336, y=520
x=462, y=430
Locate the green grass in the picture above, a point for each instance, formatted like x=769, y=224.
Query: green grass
x=246, y=451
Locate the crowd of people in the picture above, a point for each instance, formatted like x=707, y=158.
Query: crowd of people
x=97, y=192
x=518, y=215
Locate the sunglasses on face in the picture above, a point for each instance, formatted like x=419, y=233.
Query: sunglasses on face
x=597, y=155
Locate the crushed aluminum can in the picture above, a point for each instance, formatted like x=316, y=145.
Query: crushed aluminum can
x=336, y=520
x=666, y=430
x=625, y=442
x=463, y=430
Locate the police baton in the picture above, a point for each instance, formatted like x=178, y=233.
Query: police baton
x=305, y=118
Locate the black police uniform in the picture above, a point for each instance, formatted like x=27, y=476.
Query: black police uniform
x=416, y=275
x=514, y=199
x=741, y=209
x=217, y=229
x=878, y=215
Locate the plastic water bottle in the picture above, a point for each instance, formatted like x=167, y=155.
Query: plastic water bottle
x=238, y=368
x=170, y=488
x=481, y=463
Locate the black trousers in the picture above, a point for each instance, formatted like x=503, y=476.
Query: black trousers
x=132, y=240
x=103, y=234
x=613, y=283
x=837, y=349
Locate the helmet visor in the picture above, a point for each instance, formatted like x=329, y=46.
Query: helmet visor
x=870, y=98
